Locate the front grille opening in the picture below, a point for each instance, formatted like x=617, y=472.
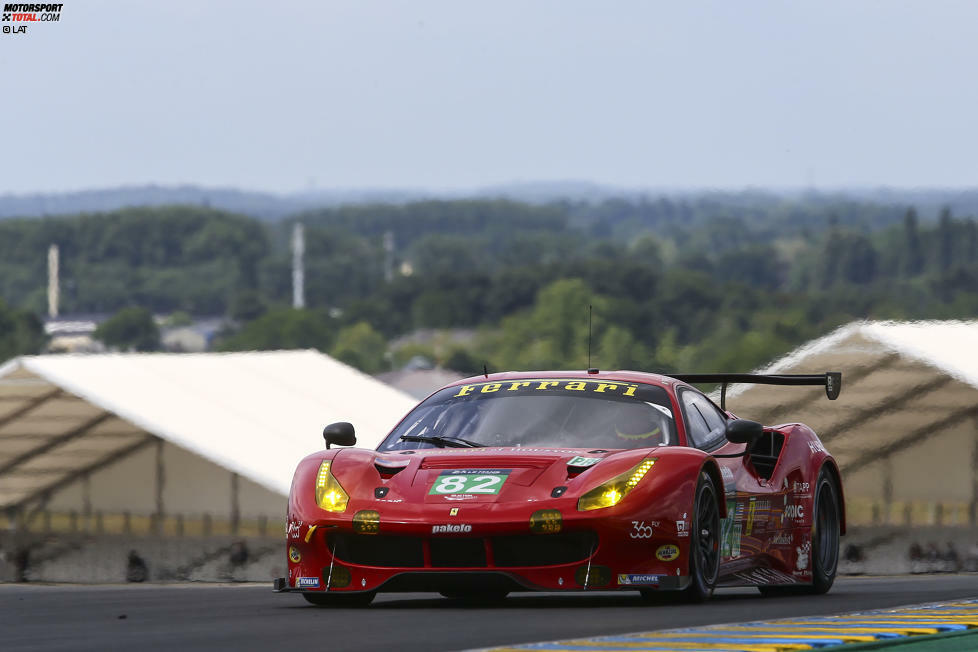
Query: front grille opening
x=458, y=553
x=378, y=550
x=543, y=549
x=388, y=551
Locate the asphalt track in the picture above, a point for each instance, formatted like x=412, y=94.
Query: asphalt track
x=251, y=617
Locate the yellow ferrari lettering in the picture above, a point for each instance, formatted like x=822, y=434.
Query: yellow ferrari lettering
x=619, y=388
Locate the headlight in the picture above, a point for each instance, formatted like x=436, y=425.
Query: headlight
x=613, y=491
x=329, y=494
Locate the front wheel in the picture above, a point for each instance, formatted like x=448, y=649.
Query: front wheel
x=704, y=543
x=340, y=599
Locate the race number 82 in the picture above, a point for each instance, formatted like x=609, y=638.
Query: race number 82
x=468, y=483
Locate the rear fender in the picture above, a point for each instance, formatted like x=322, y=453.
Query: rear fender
x=830, y=465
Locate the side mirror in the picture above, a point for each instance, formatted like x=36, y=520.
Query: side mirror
x=742, y=431
x=340, y=433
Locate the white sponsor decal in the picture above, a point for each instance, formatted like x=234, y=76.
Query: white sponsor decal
x=461, y=528
x=799, y=487
x=629, y=578
x=781, y=539
x=641, y=530
x=583, y=461
x=801, y=563
x=308, y=582
x=816, y=447
x=681, y=530
x=292, y=529
x=794, y=511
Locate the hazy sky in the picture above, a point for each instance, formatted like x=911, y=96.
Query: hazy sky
x=450, y=95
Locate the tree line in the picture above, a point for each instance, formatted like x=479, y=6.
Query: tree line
x=700, y=284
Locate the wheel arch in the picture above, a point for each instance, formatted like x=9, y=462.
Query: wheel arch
x=711, y=468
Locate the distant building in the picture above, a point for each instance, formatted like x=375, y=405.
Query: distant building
x=419, y=383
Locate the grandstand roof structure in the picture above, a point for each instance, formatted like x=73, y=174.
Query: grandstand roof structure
x=901, y=381
x=256, y=414
x=905, y=426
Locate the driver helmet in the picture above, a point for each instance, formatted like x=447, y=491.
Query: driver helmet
x=636, y=423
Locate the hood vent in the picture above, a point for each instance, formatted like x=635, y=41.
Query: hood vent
x=476, y=461
x=389, y=468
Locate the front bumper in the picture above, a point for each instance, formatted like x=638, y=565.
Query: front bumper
x=591, y=554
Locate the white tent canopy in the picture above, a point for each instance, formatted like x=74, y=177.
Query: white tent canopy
x=905, y=427
x=255, y=414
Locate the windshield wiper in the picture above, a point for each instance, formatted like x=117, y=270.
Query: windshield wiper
x=442, y=442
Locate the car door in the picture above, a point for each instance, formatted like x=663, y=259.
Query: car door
x=749, y=517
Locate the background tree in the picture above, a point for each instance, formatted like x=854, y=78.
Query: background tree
x=130, y=329
x=21, y=333
x=362, y=347
x=283, y=328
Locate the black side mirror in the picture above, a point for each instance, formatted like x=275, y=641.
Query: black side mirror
x=340, y=433
x=742, y=431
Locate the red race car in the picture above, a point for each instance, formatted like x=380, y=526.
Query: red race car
x=563, y=481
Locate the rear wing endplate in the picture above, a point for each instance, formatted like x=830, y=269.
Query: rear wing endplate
x=832, y=380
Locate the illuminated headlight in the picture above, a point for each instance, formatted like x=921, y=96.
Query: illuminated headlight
x=329, y=494
x=613, y=491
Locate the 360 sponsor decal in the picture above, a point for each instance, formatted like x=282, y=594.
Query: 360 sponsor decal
x=641, y=531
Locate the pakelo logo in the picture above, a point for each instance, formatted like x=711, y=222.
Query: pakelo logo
x=641, y=530
x=794, y=511
x=461, y=528
x=668, y=552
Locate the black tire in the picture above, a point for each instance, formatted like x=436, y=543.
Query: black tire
x=349, y=600
x=825, y=542
x=704, y=542
x=825, y=533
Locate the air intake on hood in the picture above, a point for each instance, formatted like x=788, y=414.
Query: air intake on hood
x=390, y=468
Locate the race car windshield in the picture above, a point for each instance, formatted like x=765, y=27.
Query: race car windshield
x=562, y=413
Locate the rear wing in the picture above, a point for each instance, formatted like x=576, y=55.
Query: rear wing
x=832, y=380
